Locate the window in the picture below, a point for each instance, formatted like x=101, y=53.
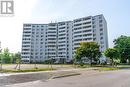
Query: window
x=77, y=24
x=52, y=24
x=100, y=21
x=77, y=20
x=26, y=42
x=87, y=22
x=76, y=43
x=62, y=23
x=93, y=22
x=27, y=31
x=51, y=35
x=87, y=39
x=87, y=26
x=27, y=28
x=101, y=38
x=62, y=34
x=78, y=36
x=52, y=28
x=62, y=28
x=101, y=29
x=87, y=30
x=87, y=35
x=27, y=25
x=61, y=38
x=51, y=32
x=61, y=42
x=26, y=39
x=62, y=31
x=88, y=18
x=26, y=46
x=51, y=38
x=33, y=32
x=26, y=35
x=78, y=28
x=100, y=25
x=94, y=26
x=25, y=49
x=100, y=17
x=101, y=33
x=78, y=40
x=94, y=39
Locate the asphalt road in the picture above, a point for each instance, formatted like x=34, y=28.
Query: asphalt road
x=17, y=78
x=119, y=78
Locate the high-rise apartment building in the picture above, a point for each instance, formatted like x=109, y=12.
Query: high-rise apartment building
x=51, y=41
x=60, y=40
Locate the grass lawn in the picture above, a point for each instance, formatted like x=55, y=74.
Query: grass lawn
x=108, y=69
x=123, y=66
x=9, y=68
x=30, y=70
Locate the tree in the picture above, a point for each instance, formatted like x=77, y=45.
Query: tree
x=6, y=56
x=12, y=58
x=112, y=53
x=122, y=43
x=1, y=61
x=90, y=50
x=79, y=55
x=17, y=59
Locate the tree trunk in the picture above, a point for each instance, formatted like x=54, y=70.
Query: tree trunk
x=74, y=63
x=129, y=60
x=1, y=66
x=19, y=66
x=91, y=62
x=112, y=62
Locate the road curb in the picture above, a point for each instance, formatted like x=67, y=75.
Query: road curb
x=65, y=75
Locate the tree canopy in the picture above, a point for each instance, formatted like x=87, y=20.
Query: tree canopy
x=6, y=56
x=112, y=53
x=90, y=50
x=122, y=43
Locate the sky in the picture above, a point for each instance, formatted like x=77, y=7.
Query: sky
x=116, y=13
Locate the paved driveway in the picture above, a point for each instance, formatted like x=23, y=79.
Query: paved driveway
x=119, y=78
x=16, y=78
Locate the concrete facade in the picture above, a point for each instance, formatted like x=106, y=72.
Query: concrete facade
x=61, y=39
